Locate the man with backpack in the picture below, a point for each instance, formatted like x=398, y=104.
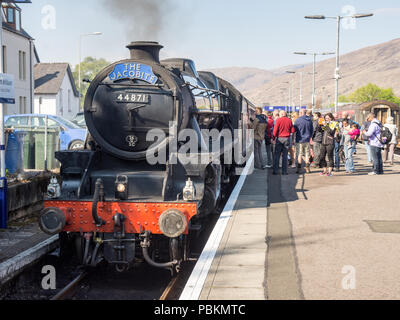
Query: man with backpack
x=378, y=136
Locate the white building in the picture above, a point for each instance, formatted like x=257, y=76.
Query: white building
x=19, y=56
x=55, y=90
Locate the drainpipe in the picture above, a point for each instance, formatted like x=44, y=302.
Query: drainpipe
x=31, y=73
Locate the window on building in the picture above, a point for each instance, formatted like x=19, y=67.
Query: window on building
x=4, y=53
x=61, y=102
x=22, y=65
x=11, y=15
x=20, y=105
x=69, y=101
x=18, y=20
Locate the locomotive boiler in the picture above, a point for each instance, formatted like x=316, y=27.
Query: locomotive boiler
x=136, y=192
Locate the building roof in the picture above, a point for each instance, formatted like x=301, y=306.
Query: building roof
x=49, y=78
x=21, y=32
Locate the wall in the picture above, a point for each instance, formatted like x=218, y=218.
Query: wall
x=62, y=100
x=48, y=106
x=14, y=43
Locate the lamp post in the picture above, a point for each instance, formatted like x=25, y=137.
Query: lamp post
x=314, y=54
x=80, y=58
x=301, y=85
x=338, y=20
x=290, y=93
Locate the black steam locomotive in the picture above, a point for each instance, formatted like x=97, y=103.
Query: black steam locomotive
x=149, y=176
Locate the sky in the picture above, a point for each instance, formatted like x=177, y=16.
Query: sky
x=214, y=33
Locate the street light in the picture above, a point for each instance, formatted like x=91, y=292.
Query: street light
x=338, y=19
x=80, y=58
x=290, y=92
x=314, y=54
x=301, y=85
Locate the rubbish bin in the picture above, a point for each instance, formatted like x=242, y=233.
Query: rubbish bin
x=52, y=147
x=29, y=149
x=12, y=153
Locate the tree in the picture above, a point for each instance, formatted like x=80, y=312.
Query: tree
x=90, y=67
x=371, y=92
x=344, y=99
x=368, y=93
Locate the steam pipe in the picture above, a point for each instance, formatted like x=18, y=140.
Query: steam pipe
x=94, y=262
x=151, y=262
x=98, y=195
x=145, y=244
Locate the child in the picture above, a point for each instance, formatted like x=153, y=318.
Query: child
x=355, y=133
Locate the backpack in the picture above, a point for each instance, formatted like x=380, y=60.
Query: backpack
x=386, y=135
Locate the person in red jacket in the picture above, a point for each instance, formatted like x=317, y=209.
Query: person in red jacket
x=268, y=138
x=283, y=130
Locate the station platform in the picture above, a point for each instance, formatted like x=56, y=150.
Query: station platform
x=307, y=236
x=21, y=245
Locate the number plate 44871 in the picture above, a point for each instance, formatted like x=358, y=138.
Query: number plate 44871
x=133, y=98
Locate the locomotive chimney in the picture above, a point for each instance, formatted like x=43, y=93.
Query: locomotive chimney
x=145, y=50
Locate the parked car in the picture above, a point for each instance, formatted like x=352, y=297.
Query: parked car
x=79, y=120
x=71, y=135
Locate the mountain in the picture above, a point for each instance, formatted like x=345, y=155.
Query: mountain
x=379, y=64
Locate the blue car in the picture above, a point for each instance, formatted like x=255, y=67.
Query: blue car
x=71, y=135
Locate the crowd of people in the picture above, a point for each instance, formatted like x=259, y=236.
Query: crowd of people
x=319, y=141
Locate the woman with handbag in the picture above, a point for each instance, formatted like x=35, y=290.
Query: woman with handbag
x=330, y=132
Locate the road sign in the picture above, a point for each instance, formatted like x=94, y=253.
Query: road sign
x=7, y=88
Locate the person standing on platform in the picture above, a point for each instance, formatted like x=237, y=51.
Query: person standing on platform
x=348, y=146
x=375, y=144
x=268, y=139
x=259, y=126
x=330, y=129
x=388, y=154
x=292, y=149
x=304, y=131
x=282, y=131
x=317, y=137
x=275, y=117
x=366, y=140
x=337, y=142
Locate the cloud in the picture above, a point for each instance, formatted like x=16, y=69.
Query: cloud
x=395, y=12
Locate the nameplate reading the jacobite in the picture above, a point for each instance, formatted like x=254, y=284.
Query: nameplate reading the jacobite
x=133, y=70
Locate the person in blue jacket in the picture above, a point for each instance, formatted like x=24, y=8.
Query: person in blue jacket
x=304, y=131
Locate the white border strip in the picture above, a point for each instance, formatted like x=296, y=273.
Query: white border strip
x=11, y=267
x=199, y=274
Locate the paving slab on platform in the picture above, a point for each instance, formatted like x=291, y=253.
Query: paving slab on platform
x=238, y=269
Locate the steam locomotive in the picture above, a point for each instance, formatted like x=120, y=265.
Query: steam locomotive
x=119, y=201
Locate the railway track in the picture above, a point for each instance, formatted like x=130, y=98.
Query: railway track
x=69, y=290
